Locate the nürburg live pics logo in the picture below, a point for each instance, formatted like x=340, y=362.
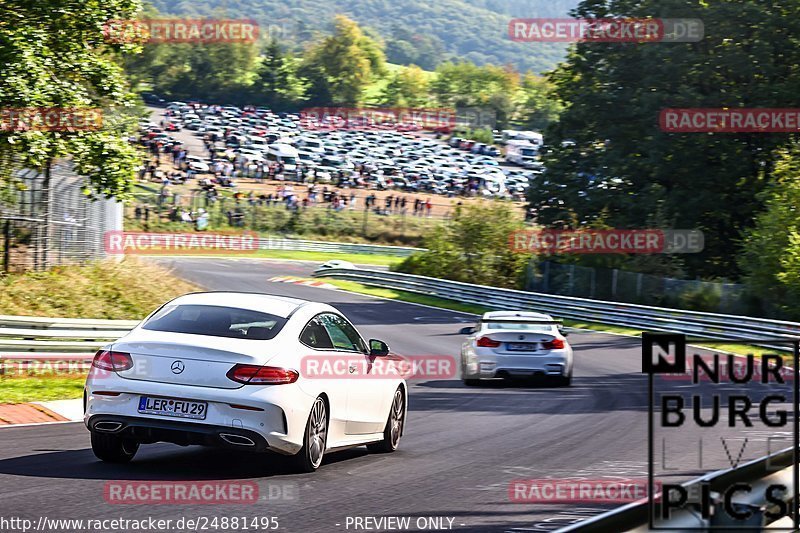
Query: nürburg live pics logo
x=722, y=433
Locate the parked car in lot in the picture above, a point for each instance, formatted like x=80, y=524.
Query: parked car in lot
x=231, y=370
x=478, y=148
x=455, y=142
x=466, y=144
x=515, y=344
x=197, y=164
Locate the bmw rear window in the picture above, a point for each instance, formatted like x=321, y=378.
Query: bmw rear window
x=216, y=321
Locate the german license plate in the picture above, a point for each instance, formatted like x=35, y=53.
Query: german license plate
x=521, y=347
x=173, y=407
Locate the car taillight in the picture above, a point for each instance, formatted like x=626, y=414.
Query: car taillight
x=262, y=375
x=116, y=361
x=486, y=342
x=555, y=344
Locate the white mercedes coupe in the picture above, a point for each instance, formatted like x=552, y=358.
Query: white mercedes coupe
x=230, y=370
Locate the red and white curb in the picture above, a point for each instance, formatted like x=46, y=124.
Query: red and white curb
x=39, y=413
x=303, y=281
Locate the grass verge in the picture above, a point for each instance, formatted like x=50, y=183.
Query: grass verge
x=123, y=290
x=41, y=388
x=361, y=259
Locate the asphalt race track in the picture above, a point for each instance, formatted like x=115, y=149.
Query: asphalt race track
x=461, y=448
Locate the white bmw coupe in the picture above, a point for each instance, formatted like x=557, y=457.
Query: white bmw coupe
x=515, y=344
x=233, y=370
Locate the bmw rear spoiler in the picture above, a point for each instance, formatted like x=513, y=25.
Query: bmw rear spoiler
x=513, y=320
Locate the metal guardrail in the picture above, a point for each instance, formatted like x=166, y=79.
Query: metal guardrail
x=38, y=336
x=775, y=469
x=691, y=323
x=271, y=243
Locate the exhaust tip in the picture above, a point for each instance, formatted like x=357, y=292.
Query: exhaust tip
x=108, y=427
x=237, y=440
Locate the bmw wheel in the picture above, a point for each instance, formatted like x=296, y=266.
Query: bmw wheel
x=469, y=382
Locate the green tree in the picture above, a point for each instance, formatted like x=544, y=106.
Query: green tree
x=54, y=54
x=407, y=47
x=215, y=71
x=472, y=250
x=278, y=85
x=539, y=107
x=770, y=257
x=467, y=84
x=408, y=87
x=616, y=158
x=342, y=65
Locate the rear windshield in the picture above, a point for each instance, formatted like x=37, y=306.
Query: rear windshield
x=216, y=322
x=543, y=328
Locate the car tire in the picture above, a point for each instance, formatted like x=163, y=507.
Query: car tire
x=315, y=438
x=565, y=381
x=113, y=448
x=394, y=426
x=469, y=382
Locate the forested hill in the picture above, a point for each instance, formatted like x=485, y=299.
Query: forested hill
x=423, y=32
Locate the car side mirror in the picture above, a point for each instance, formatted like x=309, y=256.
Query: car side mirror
x=469, y=330
x=563, y=332
x=378, y=348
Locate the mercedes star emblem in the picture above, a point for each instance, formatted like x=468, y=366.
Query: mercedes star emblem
x=178, y=367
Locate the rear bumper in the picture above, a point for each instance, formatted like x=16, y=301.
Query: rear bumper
x=279, y=419
x=553, y=370
x=484, y=364
x=148, y=431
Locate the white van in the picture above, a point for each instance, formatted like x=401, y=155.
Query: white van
x=283, y=153
x=532, y=137
x=520, y=152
